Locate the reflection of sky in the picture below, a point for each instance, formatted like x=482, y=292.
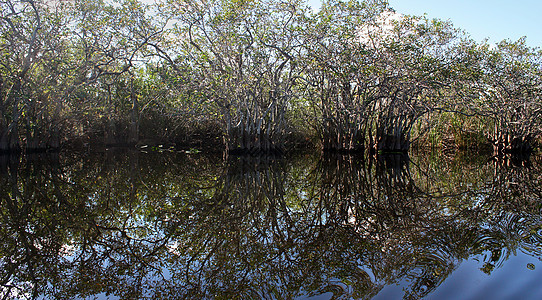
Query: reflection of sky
x=17, y=290
x=513, y=280
x=393, y=257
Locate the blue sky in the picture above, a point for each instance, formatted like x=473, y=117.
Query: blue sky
x=493, y=19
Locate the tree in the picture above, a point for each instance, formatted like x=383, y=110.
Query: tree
x=339, y=80
x=413, y=65
x=111, y=41
x=244, y=53
x=21, y=27
x=64, y=60
x=510, y=95
x=375, y=73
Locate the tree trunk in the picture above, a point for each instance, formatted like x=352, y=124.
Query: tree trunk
x=133, y=137
x=511, y=143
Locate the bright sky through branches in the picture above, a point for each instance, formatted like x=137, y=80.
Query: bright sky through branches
x=493, y=19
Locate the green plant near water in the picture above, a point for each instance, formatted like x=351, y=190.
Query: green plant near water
x=258, y=76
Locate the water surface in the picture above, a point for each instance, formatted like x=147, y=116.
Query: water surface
x=130, y=225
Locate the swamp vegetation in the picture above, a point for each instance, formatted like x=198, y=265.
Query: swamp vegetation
x=177, y=83
x=258, y=76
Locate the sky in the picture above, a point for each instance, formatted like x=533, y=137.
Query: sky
x=493, y=19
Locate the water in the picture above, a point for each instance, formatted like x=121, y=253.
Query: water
x=129, y=225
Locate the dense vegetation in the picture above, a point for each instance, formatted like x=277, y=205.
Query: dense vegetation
x=258, y=76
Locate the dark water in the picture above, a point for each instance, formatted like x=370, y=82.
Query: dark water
x=176, y=226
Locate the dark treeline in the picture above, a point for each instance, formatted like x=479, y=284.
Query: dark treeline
x=258, y=76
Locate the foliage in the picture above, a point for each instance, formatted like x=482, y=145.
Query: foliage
x=258, y=74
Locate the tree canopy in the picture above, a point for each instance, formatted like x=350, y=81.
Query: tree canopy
x=256, y=76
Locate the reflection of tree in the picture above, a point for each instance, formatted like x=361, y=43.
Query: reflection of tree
x=399, y=224
x=142, y=226
x=224, y=244
x=79, y=227
x=510, y=210
x=30, y=239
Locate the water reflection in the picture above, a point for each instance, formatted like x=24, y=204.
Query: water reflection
x=135, y=225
